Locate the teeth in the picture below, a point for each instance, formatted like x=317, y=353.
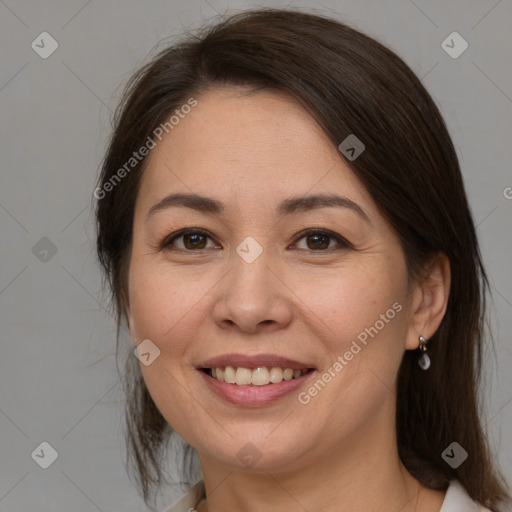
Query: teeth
x=258, y=377
x=288, y=374
x=229, y=375
x=276, y=375
x=243, y=376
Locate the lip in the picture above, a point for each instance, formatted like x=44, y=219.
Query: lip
x=255, y=361
x=255, y=396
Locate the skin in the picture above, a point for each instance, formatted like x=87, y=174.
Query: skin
x=338, y=452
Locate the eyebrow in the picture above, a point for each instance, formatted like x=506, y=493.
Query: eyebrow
x=288, y=206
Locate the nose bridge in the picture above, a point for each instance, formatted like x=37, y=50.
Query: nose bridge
x=250, y=275
x=252, y=295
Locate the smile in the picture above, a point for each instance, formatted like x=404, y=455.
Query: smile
x=260, y=376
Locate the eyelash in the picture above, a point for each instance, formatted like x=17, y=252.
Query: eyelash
x=168, y=240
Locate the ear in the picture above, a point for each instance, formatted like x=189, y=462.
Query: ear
x=429, y=300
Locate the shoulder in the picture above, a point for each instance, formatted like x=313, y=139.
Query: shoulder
x=458, y=500
x=190, y=500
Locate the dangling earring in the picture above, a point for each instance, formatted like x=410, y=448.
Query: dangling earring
x=424, y=360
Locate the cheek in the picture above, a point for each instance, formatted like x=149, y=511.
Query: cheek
x=355, y=303
x=158, y=298
x=360, y=320
x=164, y=313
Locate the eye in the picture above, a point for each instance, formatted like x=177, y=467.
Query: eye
x=317, y=240
x=192, y=240
x=320, y=240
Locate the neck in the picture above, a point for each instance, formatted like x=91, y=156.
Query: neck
x=360, y=473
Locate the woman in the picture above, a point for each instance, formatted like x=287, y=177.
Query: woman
x=283, y=223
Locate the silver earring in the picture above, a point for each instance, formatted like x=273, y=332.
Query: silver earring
x=424, y=360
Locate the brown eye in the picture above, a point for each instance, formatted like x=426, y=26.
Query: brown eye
x=191, y=240
x=321, y=241
x=194, y=241
x=318, y=241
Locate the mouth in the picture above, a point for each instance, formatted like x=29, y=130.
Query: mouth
x=254, y=381
x=259, y=376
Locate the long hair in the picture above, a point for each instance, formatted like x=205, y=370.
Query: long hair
x=350, y=84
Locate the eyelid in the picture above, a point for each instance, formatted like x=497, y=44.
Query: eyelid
x=166, y=242
x=342, y=242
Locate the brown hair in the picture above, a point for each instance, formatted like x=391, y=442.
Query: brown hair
x=350, y=84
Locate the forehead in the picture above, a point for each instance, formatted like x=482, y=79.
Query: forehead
x=252, y=147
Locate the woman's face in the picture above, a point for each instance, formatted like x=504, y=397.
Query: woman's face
x=257, y=287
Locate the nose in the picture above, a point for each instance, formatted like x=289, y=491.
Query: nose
x=252, y=298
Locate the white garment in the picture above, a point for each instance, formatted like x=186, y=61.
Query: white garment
x=456, y=500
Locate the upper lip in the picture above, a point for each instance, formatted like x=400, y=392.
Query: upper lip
x=252, y=362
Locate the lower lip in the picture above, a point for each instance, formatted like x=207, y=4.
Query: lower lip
x=253, y=396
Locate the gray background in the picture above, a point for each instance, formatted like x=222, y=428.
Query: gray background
x=58, y=381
